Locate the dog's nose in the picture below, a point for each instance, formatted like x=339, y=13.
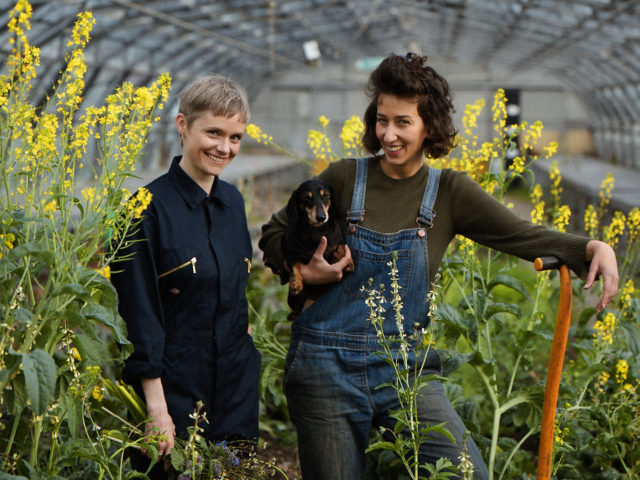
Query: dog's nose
x=321, y=217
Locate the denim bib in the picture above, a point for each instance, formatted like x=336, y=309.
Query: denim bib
x=340, y=318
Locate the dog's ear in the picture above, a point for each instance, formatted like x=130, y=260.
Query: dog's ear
x=292, y=208
x=333, y=206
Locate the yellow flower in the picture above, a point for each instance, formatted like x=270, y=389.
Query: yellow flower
x=8, y=239
x=606, y=187
x=537, y=214
x=97, y=393
x=555, y=177
x=470, y=119
x=319, y=144
x=144, y=98
x=550, y=150
x=626, y=295
x=561, y=220
x=351, y=135
x=324, y=121
x=622, y=370
x=139, y=202
x=558, y=434
x=75, y=354
x=531, y=135
x=81, y=29
x=591, y=221
x=105, y=272
x=633, y=224
x=517, y=165
x=611, y=233
x=89, y=194
x=499, y=111
x=51, y=206
x=255, y=132
x=604, y=329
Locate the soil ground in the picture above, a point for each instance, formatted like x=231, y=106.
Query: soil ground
x=285, y=457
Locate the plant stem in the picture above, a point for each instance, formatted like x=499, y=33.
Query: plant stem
x=496, y=421
x=14, y=429
x=37, y=423
x=513, y=452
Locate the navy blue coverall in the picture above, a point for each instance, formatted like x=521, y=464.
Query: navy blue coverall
x=182, y=295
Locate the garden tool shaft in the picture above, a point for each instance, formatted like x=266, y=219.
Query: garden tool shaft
x=556, y=359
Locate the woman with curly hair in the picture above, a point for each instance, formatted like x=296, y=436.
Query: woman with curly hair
x=333, y=376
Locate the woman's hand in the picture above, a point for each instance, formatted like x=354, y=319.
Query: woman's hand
x=604, y=263
x=160, y=422
x=319, y=272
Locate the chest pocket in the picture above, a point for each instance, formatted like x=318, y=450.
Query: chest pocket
x=177, y=268
x=376, y=266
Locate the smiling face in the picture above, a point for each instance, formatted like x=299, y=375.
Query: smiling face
x=210, y=142
x=401, y=132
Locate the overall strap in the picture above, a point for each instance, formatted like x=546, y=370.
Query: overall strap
x=356, y=212
x=427, y=214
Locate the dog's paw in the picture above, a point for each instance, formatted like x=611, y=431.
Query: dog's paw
x=295, y=286
x=295, y=281
x=350, y=267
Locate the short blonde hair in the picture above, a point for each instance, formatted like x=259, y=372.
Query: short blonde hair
x=215, y=93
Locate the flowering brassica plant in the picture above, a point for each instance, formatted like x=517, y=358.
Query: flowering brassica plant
x=63, y=215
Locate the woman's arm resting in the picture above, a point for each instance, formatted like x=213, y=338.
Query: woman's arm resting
x=161, y=421
x=604, y=263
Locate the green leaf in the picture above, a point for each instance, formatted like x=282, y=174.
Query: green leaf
x=586, y=315
x=22, y=315
x=510, y=282
x=76, y=320
x=381, y=445
x=452, y=316
x=108, y=317
x=452, y=360
x=6, y=476
x=40, y=379
x=497, y=307
x=75, y=290
x=524, y=338
x=177, y=459
x=31, y=249
x=107, y=296
x=74, y=415
x=91, y=349
x=441, y=429
x=632, y=336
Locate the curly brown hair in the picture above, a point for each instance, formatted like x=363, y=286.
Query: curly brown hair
x=409, y=77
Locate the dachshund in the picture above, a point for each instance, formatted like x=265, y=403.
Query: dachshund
x=311, y=214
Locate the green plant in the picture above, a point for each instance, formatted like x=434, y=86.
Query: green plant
x=406, y=353
x=60, y=326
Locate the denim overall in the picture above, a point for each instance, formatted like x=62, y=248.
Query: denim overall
x=332, y=369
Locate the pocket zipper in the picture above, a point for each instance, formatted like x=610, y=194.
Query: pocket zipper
x=193, y=266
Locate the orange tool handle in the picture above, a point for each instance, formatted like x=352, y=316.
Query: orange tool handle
x=556, y=359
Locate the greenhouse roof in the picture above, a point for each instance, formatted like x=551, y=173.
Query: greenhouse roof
x=590, y=46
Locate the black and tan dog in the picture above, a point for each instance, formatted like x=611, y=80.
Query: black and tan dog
x=311, y=215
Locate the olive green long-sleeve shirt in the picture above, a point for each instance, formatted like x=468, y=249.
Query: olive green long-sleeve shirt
x=461, y=207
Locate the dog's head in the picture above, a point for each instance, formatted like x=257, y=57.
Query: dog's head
x=312, y=202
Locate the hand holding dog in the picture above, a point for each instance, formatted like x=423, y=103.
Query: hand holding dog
x=319, y=272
